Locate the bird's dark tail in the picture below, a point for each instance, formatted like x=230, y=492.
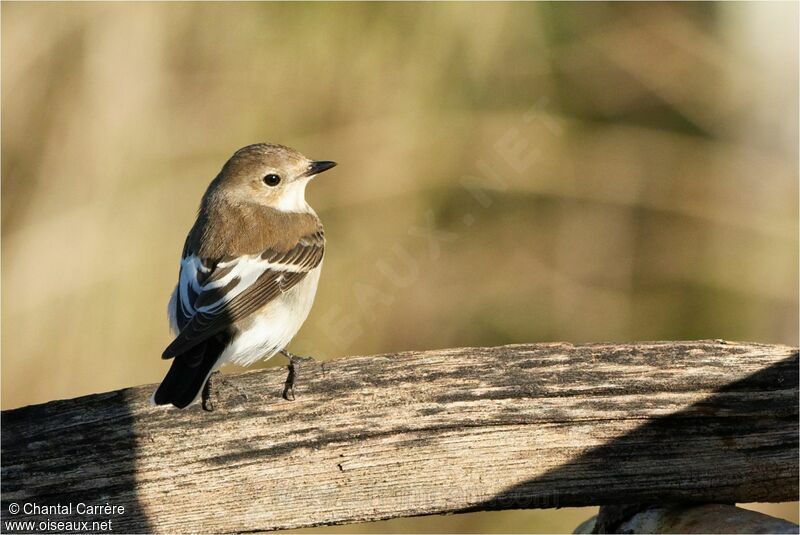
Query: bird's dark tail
x=188, y=375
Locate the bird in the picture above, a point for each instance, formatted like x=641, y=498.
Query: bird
x=249, y=269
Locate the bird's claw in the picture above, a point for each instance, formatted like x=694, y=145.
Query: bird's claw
x=294, y=360
x=208, y=392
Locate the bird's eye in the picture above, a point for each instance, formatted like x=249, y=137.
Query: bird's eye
x=272, y=180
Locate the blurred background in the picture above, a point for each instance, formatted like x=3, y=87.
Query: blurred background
x=522, y=172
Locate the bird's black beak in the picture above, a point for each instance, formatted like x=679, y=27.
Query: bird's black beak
x=315, y=168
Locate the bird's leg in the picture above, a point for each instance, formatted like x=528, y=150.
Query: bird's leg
x=288, y=387
x=208, y=404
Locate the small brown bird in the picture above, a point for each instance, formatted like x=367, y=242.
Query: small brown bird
x=249, y=268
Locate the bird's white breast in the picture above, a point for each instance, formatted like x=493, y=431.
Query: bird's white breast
x=272, y=328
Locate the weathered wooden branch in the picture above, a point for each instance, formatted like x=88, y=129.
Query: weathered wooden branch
x=454, y=430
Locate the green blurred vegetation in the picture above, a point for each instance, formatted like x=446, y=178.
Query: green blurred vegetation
x=652, y=192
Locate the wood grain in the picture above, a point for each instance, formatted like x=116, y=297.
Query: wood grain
x=453, y=430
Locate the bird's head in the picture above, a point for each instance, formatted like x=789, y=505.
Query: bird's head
x=270, y=175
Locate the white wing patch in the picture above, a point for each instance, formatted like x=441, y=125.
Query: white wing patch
x=190, y=267
x=245, y=269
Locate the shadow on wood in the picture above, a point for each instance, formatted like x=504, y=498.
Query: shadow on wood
x=66, y=453
x=745, y=450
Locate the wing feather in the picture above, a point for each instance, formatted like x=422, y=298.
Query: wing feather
x=214, y=296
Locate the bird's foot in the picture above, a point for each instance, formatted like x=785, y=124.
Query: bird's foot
x=294, y=360
x=208, y=392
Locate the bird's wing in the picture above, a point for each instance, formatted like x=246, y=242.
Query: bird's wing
x=212, y=298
